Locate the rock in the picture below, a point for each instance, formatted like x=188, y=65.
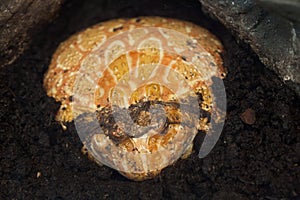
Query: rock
x=19, y=19
x=273, y=37
x=248, y=116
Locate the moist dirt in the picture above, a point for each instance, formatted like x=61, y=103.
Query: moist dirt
x=257, y=160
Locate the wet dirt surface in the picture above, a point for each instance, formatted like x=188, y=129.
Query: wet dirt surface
x=250, y=161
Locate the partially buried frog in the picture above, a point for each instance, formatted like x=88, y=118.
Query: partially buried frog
x=139, y=90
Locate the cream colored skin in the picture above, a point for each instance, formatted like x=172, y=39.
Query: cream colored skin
x=121, y=56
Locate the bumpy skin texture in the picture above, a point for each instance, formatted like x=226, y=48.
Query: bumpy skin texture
x=131, y=65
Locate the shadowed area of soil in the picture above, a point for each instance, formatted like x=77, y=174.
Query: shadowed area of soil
x=40, y=160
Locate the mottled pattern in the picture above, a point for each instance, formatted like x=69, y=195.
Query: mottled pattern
x=123, y=64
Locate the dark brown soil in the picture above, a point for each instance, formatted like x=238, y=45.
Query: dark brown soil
x=41, y=161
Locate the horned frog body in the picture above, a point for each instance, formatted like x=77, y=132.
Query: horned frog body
x=138, y=90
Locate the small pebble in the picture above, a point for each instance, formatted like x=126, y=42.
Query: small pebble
x=38, y=174
x=248, y=116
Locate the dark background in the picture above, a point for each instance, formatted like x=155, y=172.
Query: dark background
x=259, y=161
